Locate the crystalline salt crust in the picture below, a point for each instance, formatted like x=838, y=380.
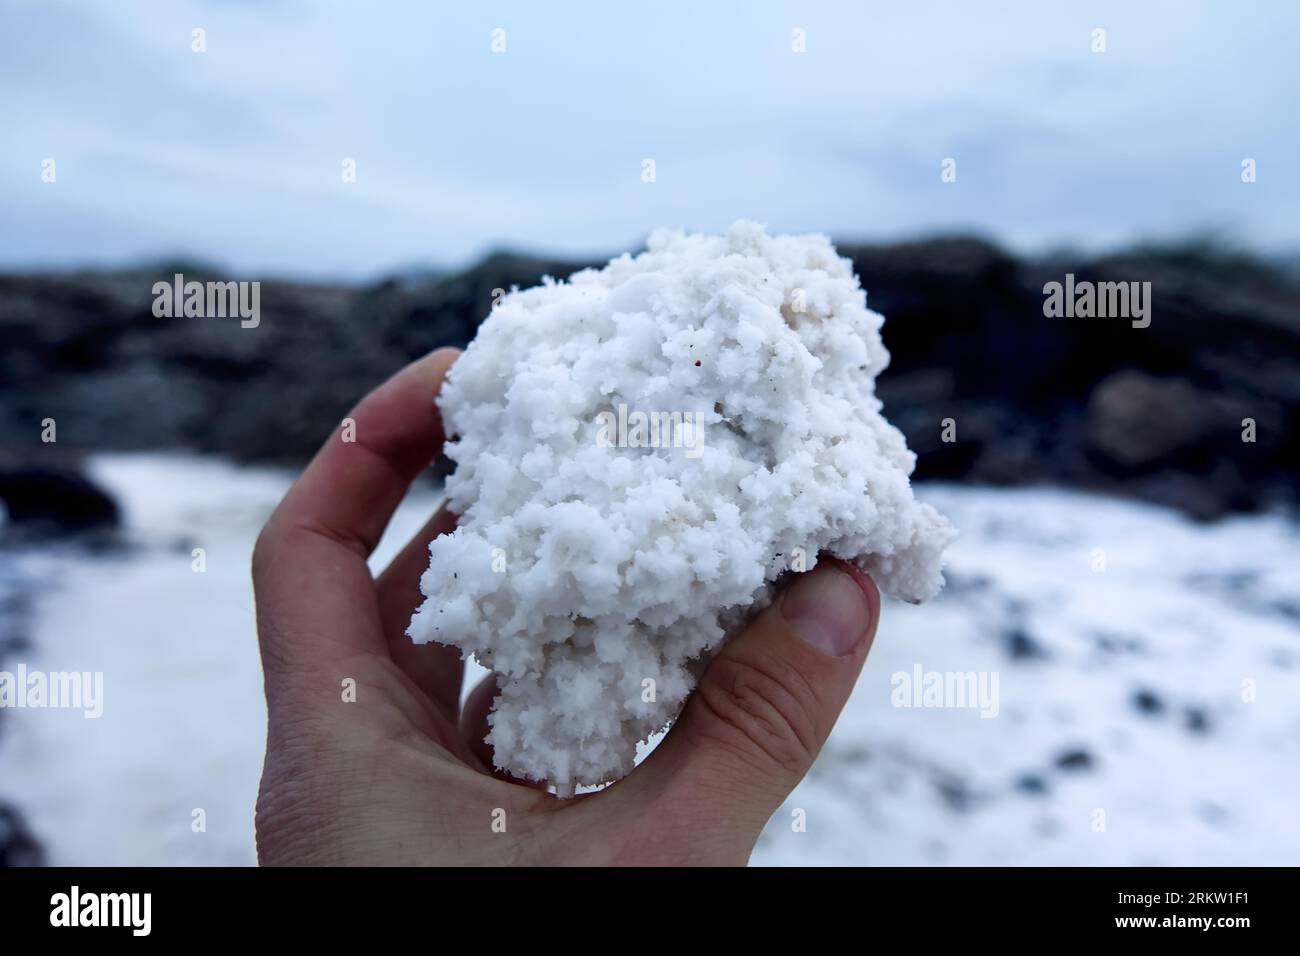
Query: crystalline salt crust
x=581, y=571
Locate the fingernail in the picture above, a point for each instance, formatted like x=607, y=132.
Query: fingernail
x=827, y=609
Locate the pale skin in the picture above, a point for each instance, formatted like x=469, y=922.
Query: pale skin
x=401, y=775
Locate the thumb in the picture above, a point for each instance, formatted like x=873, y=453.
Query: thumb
x=767, y=703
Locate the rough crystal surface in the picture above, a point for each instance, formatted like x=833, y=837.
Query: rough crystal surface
x=605, y=546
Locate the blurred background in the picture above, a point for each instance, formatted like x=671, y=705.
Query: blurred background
x=1129, y=565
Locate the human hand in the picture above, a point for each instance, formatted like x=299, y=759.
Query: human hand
x=401, y=775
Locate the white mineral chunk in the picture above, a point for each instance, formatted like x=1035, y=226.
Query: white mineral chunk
x=604, y=545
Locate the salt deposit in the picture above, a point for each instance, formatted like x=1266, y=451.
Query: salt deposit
x=642, y=452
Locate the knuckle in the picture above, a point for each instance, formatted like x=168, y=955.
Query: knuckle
x=765, y=710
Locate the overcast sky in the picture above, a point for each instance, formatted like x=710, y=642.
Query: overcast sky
x=235, y=155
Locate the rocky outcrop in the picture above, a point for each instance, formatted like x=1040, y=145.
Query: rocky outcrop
x=1159, y=413
x=1153, y=412
x=17, y=845
x=47, y=501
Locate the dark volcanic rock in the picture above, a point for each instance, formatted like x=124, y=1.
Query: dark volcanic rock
x=1022, y=646
x=1155, y=413
x=17, y=845
x=1074, y=760
x=1148, y=702
x=55, y=501
x=1135, y=420
x=1031, y=783
x=985, y=387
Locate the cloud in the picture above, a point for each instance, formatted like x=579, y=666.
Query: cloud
x=235, y=153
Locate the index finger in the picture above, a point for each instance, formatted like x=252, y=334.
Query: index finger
x=309, y=566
